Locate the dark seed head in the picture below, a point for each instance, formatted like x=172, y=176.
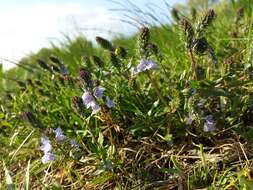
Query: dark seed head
x=55, y=60
x=153, y=48
x=114, y=59
x=239, y=14
x=104, y=43
x=29, y=82
x=77, y=103
x=193, y=13
x=21, y=84
x=97, y=61
x=30, y=118
x=200, y=46
x=175, y=15
x=43, y=65
x=38, y=82
x=121, y=51
x=85, y=76
x=205, y=22
x=143, y=41
x=188, y=32
x=144, y=34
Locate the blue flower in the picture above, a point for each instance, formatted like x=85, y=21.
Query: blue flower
x=59, y=134
x=64, y=70
x=209, y=124
x=88, y=99
x=47, y=158
x=73, y=144
x=95, y=109
x=109, y=103
x=145, y=65
x=98, y=92
x=46, y=146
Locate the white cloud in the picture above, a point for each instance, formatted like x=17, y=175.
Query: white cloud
x=26, y=29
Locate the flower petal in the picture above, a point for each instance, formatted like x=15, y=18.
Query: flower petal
x=88, y=99
x=46, y=146
x=98, y=92
x=95, y=109
x=59, y=135
x=47, y=158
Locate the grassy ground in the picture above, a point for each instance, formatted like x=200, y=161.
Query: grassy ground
x=182, y=121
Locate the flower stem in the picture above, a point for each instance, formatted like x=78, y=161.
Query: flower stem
x=194, y=64
x=154, y=83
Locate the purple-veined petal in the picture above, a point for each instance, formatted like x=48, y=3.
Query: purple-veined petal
x=95, y=109
x=47, y=158
x=142, y=66
x=145, y=65
x=151, y=65
x=46, y=146
x=59, y=135
x=88, y=99
x=98, y=92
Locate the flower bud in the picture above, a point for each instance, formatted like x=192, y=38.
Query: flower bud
x=104, y=43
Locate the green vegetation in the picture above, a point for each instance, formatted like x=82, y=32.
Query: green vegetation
x=168, y=108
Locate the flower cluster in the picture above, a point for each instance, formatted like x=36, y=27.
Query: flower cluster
x=90, y=100
x=60, y=137
x=46, y=148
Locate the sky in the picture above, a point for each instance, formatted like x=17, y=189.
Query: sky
x=28, y=25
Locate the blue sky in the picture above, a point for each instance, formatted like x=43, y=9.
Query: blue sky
x=28, y=25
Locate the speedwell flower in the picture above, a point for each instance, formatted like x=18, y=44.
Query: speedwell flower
x=145, y=65
x=98, y=92
x=59, y=135
x=46, y=148
x=88, y=99
x=47, y=158
x=209, y=124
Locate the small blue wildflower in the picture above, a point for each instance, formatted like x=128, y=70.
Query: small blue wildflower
x=209, y=124
x=145, y=65
x=46, y=146
x=95, y=109
x=109, y=103
x=64, y=70
x=59, y=134
x=98, y=92
x=88, y=99
x=47, y=158
x=73, y=144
